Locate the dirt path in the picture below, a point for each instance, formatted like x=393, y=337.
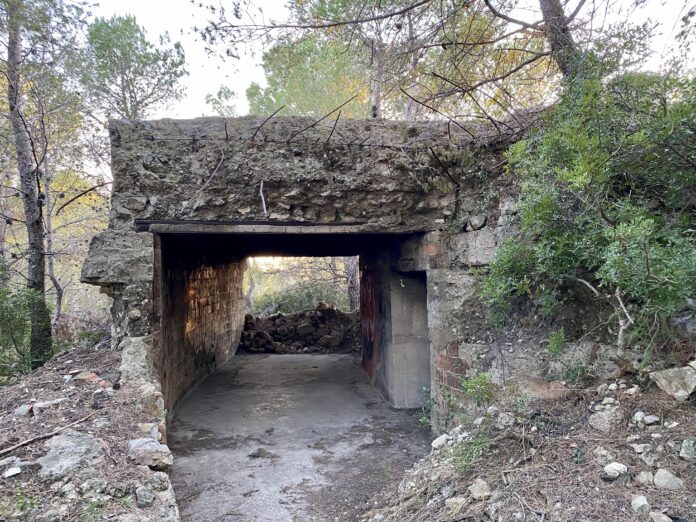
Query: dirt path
x=288, y=438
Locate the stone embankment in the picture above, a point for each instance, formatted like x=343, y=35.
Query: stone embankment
x=323, y=329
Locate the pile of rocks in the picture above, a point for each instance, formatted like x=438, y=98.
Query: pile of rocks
x=652, y=439
x=323, y=329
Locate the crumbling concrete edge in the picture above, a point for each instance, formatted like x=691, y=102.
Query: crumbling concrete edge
x=122, y=263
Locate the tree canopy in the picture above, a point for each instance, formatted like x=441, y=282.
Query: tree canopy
x=125, y=74
x=311, y=77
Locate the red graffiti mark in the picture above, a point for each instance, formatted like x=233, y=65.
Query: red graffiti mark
x=369, y=318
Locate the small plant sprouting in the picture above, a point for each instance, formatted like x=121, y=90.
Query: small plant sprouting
x=465, y=453
x=24, y=501
x=578, y=455
x=478, y=389
x=575, y=372
x=92, y=510
x=557, y=342
x=426, y=410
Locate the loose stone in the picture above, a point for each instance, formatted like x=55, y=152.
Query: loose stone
x=640, y=505
x=614, y=470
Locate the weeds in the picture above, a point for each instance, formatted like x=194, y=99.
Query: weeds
x=557, y=343
x=92, y=510
x=467, y=452
x=427, y=409
x=575, y=372
x=24, y=501
x=450, y=403
x=478, y=389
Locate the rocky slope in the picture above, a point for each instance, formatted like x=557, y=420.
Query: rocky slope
x=619, y=451
x=75, y=445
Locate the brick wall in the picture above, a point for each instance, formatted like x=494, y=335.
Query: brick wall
x=202, y=317
x=450, y=369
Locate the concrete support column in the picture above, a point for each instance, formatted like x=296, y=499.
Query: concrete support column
x=396, y=348
x=407, y=358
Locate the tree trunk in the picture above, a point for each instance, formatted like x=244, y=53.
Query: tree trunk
x=29, y=181
x=563, y=47
x=410, y=107
x=4, y=194
x=353, y=286
x=249, y=294
x=50, y=252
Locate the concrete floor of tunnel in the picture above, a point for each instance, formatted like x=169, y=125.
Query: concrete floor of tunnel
x=299, y=437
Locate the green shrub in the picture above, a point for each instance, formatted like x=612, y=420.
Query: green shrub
x=557, y=342
x=608, y=199
x=15, y=330
x=575, y=372
x=300, y=296
x=478, y=389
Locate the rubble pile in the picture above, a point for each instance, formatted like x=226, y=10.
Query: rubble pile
x=323, y=329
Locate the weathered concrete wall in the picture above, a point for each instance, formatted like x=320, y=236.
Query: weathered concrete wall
x=378, y=174
x=225, y=176
x=396, y=350
x=407, y=357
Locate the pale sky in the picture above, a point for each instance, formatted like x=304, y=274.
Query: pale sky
x=208, y=73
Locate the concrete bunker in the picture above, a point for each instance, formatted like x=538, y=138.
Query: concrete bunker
x=421, y=204
x=199, y=308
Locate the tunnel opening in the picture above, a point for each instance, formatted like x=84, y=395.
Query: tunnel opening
x=301, y=305
x=200, y=306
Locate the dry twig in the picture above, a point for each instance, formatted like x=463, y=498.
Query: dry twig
x=27, y=442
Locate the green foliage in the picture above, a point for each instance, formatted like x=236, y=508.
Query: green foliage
x=311, y=77
x=23, y=501
x=478, y=389
x=557, y=341
x=467, y=452
x=508, y=276
x=608, y=200
x=450, y=405
x=124, y=73
x=222, y=102
x=92, y=510
x=15, y=330
x=303, y=295
x=578, y=455
x=425, y=416
x=293, y=284
x=575, y=372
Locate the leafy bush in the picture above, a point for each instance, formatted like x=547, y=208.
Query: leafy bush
x=478, y=388
x=557, y=342
x=15, y=330
x=608, y=199
x=302, y=295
